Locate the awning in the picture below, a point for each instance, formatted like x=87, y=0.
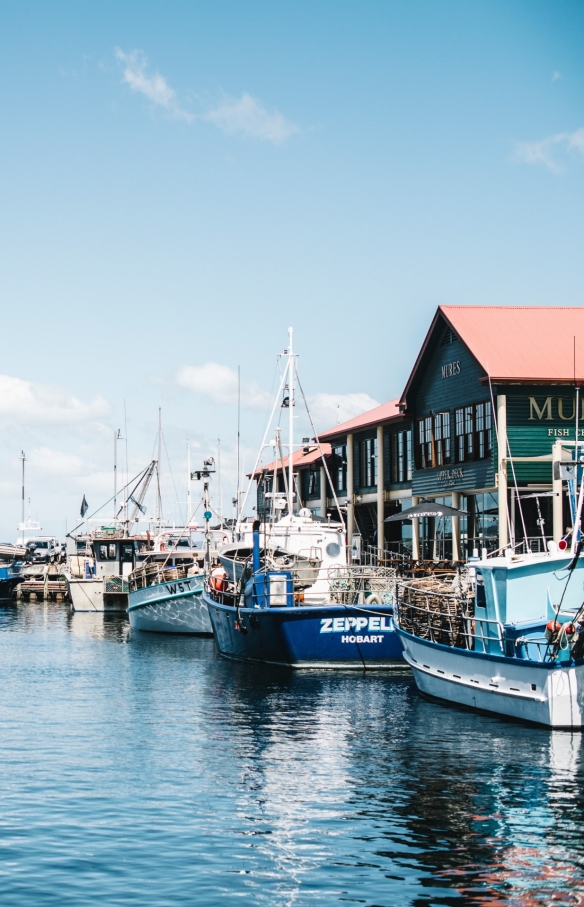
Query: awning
x=425, y=509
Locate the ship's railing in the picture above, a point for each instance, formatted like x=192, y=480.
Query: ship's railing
x=153, y=574
x=363, y=583
x=442, y=611
x=395, y=554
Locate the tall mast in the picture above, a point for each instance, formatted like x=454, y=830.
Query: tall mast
x=117, y=435
x=189, y=509
x=219, y=481
x=23, y=458
x=238, y=437
x=290, y=424
x=158, y=484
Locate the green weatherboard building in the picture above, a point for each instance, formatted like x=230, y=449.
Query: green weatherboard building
x=492, y=399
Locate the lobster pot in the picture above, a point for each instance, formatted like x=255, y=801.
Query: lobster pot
x=429, y=609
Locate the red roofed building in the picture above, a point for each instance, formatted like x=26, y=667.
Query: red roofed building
x=488, y=374
x=489, y=405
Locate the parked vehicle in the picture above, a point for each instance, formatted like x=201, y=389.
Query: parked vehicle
x=44, y=549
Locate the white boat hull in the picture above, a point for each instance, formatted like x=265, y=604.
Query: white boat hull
x=89, y=595
x=173, y=607
x=547, y=693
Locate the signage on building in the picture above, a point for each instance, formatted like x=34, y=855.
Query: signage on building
x=548, y=409
x=450, y=369
x=448, y=478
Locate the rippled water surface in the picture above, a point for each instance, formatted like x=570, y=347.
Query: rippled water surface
x=146, y=770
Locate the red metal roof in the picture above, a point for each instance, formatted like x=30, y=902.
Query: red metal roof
x=300, y=458
x=372, y=417
x=522, y=343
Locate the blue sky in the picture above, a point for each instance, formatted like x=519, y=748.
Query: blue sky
x=181, y=181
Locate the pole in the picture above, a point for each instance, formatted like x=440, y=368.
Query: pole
x=23, y=458
x=238, y=436
x=290, y=424
x=116, y=433
x=189, y=510
x=219, y=482
x=158, y=484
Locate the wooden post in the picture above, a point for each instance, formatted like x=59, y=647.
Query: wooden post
x=415, y=532
x=323, y=492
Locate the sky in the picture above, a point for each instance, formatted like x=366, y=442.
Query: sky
x=180, y=182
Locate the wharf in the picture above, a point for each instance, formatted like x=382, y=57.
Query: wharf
x=48, y=585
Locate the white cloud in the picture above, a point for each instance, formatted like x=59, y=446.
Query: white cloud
x=22, y=401
x=246, y=115
x=55, y=462
x=219, y=383
x=557, y=75
x=154, y=87
x=328, y=410
x=547, y=151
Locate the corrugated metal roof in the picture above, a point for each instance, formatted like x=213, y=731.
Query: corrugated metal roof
x=522, y=343
x=300, y=458
x=372, y=417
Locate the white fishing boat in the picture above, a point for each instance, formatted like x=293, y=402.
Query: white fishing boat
x=100, y=561
x=165, y=589
x=511, y=643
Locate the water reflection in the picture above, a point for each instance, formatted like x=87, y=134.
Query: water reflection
x=149, y=768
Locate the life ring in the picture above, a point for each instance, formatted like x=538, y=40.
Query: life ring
x=218, y=579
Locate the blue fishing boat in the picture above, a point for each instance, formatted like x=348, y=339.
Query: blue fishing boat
x=287, y=593
x=11, y=558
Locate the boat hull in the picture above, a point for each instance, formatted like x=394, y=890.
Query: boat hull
x=319, y=636
x=173, y=607
x=544, y=693
x=90, y=595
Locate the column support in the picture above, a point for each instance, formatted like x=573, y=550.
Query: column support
x=456, y=527
x=502, y=469
x=323, y=492
x=415, y=532
x=557, y=508
x=350, y=491
x=380, y=490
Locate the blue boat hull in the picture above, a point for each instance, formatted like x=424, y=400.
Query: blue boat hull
x=326, y=636
x=10, y=577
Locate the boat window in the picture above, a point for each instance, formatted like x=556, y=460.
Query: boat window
x=481, y=598
x=107, y=552
x=127, y=553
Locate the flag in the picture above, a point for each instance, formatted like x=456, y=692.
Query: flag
x=84, y=507
x=139, y=506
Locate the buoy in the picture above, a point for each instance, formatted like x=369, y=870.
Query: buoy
x=552, y=628
x=218, y=579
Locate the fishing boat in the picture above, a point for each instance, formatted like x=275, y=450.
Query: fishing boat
x=510, y=642
x=287, y=594
x=97, y=572
x=166, y=586
x=11, y=558
x=100, y=560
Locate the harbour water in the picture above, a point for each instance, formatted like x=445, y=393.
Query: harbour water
x=146, y=770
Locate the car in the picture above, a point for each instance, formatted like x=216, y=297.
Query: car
x=44, y=550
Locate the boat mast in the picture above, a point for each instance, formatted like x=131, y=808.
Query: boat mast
x=117, y=436
x=158, y=516
x=189, y=509
x=290, y=424
x=23, y=458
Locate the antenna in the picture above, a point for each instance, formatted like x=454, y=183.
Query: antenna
x=219, y=481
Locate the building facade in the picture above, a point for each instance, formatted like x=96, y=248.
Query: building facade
x=490, y=410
